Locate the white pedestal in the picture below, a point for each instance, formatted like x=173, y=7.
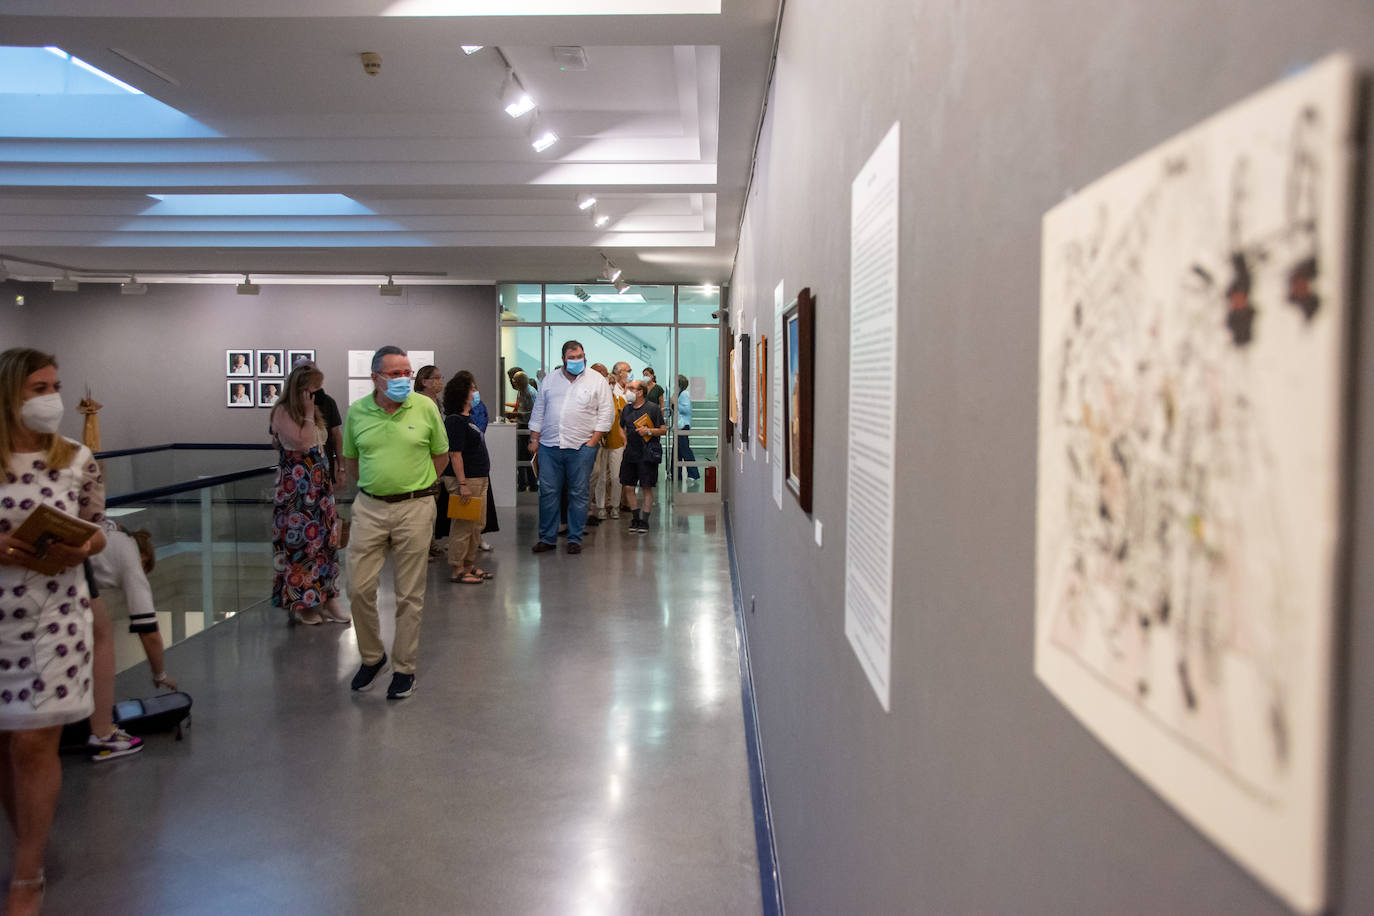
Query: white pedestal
x=501, y=450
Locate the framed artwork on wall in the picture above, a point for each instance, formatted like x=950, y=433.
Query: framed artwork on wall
x=238, y=363
x=763, y=390
x=744, y=366
x=1193, y=414
x=268, y=392
x=733, y=414
x=270, y=363
x=799, y=380
x=294, y=356
x=238, y=393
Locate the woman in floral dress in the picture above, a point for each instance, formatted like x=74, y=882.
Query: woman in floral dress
x=304, y=533
x=45, y=616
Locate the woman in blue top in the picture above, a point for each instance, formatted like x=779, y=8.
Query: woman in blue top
x=684, y=422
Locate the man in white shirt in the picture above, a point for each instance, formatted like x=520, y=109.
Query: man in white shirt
x=571, y=413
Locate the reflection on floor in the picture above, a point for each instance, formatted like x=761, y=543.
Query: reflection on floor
x=575, y=744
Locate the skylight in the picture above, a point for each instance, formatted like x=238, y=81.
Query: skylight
x=553, y=8
x=53, y=71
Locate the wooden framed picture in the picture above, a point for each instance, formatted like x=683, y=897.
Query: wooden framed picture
x=268, y=392
x=799, y=381
x=744, y=364
x=238, y=393
x=732, y=415
x=763, y=390
x=238, y=363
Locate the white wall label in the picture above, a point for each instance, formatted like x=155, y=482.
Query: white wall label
x=869, y=521
x=775, y=394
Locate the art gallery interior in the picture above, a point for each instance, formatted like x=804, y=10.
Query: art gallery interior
x=682, y=723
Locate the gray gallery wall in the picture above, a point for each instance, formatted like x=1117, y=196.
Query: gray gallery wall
x=157, y=361
x=978, y=792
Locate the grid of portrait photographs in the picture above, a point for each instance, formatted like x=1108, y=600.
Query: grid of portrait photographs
x=254, y=377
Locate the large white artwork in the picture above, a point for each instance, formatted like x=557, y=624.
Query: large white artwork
x=1193, y=316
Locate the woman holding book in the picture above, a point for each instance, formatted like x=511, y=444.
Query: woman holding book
x=304, y=542
x=45, y=613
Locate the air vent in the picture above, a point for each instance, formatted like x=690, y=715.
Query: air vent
x=570, y=57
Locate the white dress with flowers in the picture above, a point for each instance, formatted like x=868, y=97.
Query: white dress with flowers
x=45, y=621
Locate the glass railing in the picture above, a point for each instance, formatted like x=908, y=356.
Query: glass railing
x=209, y=511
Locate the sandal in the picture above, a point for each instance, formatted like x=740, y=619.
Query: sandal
x=484, y=574
x=470, y=578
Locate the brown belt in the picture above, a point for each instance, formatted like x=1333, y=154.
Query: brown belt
x=401, y=497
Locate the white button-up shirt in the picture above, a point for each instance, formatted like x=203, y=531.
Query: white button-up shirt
x=566, y=413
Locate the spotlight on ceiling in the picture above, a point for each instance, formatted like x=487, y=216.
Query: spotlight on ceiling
x=621, y=286
x=581, y=293
x=609, y=272
x=65, y=285
x=541, y=138
x=390, y=289
x=472, y=49
x=585, y=201
x=247, y=287
x=601, y=221
x=514, y=98
x=132, y=287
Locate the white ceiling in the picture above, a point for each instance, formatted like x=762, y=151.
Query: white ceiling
x=415, y=170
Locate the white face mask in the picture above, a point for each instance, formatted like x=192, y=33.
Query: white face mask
x=42, y=414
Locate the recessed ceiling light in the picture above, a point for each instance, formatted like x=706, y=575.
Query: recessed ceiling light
x=543, y=139
x=585, y=201
x=601, y=221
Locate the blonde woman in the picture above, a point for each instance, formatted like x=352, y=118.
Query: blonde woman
x=45, y=617
x=304, y=539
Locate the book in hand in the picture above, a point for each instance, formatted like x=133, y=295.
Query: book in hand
x=644, y=424
x=47, y=526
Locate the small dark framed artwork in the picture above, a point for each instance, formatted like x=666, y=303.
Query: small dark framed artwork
x=295, y=356
x=270, y=364
x=745, y=362
x=268, y=392
x=799, y=387
x=763, y=391
x=238, y=363
x=238, y=393
x=733, y=382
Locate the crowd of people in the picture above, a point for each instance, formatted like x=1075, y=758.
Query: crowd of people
x=416, y=449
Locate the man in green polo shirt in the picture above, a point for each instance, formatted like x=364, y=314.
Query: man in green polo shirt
x=395, y=446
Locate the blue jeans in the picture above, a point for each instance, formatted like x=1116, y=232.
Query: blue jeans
x=560, y=467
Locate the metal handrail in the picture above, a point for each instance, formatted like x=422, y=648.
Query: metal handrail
x=186, y=446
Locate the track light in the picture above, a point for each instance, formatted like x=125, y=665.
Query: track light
x=621, y=286
x=247, y=287
x=601, y=221
x=132, y=287
x=390, y=289
x=472, y=49
x=609, y=272
x=65, y=285
x=581, y=293
x=514, y=98
x=585, y=201
x=541, y=138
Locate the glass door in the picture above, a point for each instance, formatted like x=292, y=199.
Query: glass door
x=696, y=415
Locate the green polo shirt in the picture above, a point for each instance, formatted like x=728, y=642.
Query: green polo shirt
x=394, y=449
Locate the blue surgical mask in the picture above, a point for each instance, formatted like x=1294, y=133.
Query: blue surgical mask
x=575, y=366
x=476, y=398
x=398, y=389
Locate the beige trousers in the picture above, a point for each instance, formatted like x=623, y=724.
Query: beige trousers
x=403, y=530
x=606, y=477
x=464, y=537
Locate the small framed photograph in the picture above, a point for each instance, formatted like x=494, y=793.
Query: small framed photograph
x=295, y=356
x=799, y=386
x=238, y=393
x=268, y=392
x=270, y=363
x=238, y=363
x=745, y=362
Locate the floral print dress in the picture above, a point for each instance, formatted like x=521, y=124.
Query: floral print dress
x=304, y=531
x=45, y=621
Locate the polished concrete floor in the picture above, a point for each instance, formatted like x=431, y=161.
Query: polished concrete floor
x=575, y=745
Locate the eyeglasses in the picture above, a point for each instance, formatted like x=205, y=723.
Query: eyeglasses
x=396, y=373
